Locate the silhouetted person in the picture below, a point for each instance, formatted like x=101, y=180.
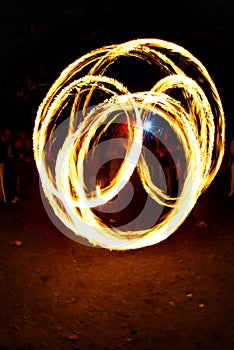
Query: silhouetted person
x=15, y=154
x=3, y=154
x=231, y=166
x=7, y=140
x=29, y=172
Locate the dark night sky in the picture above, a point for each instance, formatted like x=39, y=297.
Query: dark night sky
x=45, y=36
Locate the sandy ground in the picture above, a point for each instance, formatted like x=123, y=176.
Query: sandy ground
x=59, y=294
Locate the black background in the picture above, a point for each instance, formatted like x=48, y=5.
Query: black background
x=38, y=39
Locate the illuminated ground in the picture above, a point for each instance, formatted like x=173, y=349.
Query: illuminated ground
x=57, y=294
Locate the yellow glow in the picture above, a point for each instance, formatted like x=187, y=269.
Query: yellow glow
x=199, y=125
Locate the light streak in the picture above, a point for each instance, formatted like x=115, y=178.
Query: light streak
x=197, y=120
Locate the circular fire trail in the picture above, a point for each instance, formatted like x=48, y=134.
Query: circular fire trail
x=87, y=170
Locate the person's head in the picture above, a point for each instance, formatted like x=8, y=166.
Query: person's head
x=121, y=130
x=28, y=143
x=7, y=133
x=22, y=134
x=18, y=142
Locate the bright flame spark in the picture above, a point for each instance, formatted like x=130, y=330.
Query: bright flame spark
x=196, y=118
x=147, y=125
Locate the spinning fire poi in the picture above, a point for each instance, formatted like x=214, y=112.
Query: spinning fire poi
x=72, y=141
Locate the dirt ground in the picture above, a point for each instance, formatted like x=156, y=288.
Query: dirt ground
x=58, y=294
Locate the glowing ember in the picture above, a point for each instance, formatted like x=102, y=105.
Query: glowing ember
x=72, y=147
